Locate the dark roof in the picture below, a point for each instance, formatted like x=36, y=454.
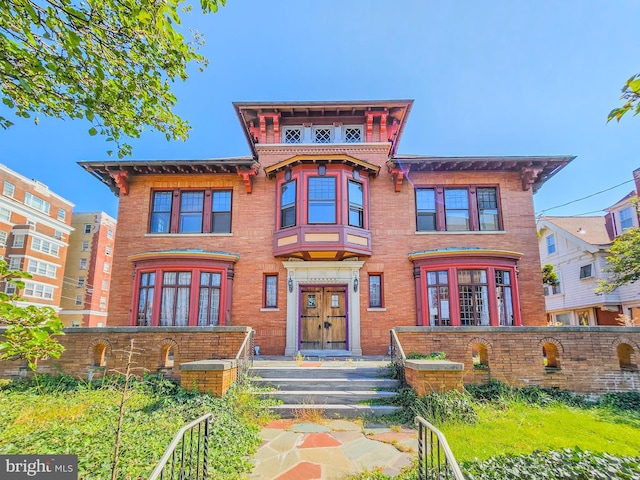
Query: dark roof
x=248, y=112
x=543, y=166
x=104, y=171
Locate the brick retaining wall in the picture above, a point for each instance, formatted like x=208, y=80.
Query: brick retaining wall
x=587, y=357
x=83, y=344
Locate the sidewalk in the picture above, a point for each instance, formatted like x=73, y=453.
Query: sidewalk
x=331, y=450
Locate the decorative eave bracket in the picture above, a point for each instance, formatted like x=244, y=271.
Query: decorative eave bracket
x=247, y=175
x=397, y=174
x=529, y=175
x=121, y=179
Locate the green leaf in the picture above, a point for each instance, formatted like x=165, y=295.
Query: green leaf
x=92, y=131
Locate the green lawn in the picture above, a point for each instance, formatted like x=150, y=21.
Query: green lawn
x=75, y=418
x=520, y=429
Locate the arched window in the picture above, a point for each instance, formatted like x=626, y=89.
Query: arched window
x=626, y=357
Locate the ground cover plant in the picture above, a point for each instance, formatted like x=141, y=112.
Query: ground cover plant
x=499, y=432
x=61, y=415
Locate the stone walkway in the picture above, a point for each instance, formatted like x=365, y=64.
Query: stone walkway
x=331, y=450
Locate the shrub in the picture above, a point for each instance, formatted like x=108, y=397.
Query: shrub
x=564, y=464
x=623, y=401
x=426, y=356
x=451, y=406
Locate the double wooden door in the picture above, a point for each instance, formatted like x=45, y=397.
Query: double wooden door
x=323, y=318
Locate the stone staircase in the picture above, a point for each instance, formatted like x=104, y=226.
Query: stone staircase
x=332, y=388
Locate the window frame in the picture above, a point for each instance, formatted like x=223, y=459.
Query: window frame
x=157, y=269
x=551, y=244
x=586, y=275
x=215, y=213
x=174, y=214
x=62, y=214
x=452, y=265
x=37, y=203
x=8, y=189
x=87, y=228
x=292, y=128
x=352, y=206
x=289, y=206
x=474, y=210
x=5, y=214
x=335, y=201
x=315, y=128
x=265, y=290
x=85, y=246
x=625, y=219
x=83, y=264
x=380, y=277
x=18, y=241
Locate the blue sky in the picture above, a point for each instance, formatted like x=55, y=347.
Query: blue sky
x=488, y=78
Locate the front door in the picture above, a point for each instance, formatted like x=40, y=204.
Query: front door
x=323, y=318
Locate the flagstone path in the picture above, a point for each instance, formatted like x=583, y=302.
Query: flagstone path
x=331, y=450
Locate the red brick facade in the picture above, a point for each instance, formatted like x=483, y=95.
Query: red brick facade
x=333, y=253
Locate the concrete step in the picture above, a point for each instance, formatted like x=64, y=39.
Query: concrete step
x=332, y=411
x=317, y=372
x=310, y=384
x=326, y=397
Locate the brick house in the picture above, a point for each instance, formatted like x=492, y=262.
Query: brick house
x=325, y=237
x=35, y=224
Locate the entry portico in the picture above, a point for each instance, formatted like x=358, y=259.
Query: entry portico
x=301, y=274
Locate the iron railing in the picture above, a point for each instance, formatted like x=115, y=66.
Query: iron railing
x=397, y=356
x=435, y=458
x=244, y=358
x=187, y=455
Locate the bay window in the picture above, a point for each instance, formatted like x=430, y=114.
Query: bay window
x=321, y=193
x=183, y=291
x=456, y=288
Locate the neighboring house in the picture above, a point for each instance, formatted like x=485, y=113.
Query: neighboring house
x=324, y=237
x=85, y=294
x=577, y=249
x=35, y=224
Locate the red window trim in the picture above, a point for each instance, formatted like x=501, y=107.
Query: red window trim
x=381, y=275
x=264, y=290
x=195, y=266
x=342, y=174
x=452, y=265
x=174, y=222
x=474, y=212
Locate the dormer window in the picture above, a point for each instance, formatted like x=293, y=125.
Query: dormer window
x=626, y=218
x=292, y=135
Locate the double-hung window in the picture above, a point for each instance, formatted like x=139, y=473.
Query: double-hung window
x=551, y=244
x=426, y=209
x=37, y=203
x=288, y=194
x=457, y=209
x=322, y=200
x=456, y=205
x=626, y=219
x=161, y=212
x=356, y=204
x=221, y=211
x=190, y=211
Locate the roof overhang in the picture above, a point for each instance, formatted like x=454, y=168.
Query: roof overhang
x=292, y=113
x=116, y=174
x=185, y=254
x=534, y=171
x=340, y=159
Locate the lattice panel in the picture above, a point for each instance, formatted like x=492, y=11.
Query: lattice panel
x=293, y=135
x=352, y=135
x=322, y=135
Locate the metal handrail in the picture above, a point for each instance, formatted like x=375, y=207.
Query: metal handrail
x=435, y=458
x=397, y=356
x=186, y=470
x=244, y=357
